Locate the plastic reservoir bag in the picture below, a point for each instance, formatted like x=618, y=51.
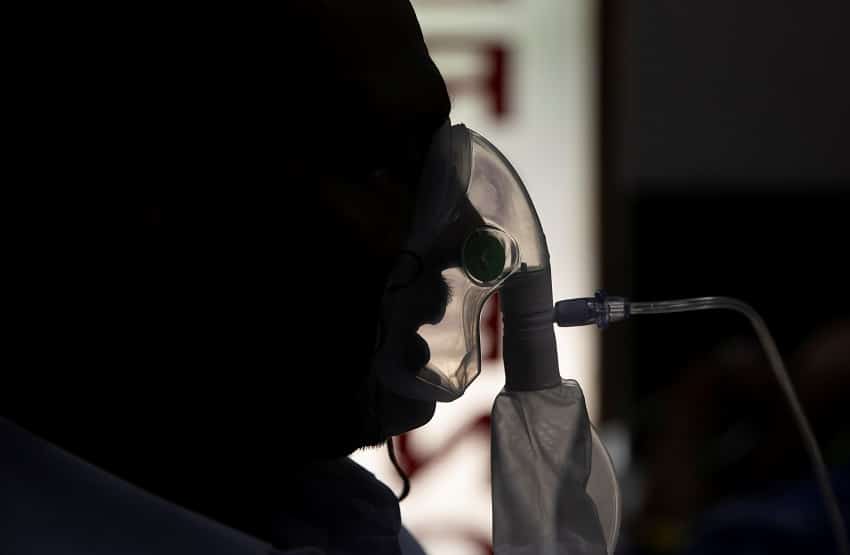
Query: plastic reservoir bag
x=554, y=487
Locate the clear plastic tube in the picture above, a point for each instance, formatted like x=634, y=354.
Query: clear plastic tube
x=778, y=366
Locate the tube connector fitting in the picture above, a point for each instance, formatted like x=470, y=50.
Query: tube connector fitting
x=599, y=309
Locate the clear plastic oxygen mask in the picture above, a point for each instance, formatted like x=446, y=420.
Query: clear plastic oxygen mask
x=475, y=231
x=473, y=227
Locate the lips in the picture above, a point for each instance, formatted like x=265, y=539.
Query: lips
x=432, y=299
x=417, y=354
x=417, y=357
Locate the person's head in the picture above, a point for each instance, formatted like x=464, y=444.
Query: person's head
x=378, y=99
x=278, y=159
x=315, y=266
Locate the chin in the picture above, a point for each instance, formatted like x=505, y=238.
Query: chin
x=363, y=426
x=400, y=415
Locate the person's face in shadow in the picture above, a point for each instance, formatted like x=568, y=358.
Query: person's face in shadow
x=365, y=114
x=375, y=220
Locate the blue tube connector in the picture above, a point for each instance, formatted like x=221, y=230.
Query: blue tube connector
x=599, y=309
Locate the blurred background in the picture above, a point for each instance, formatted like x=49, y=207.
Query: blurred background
x=672, y=150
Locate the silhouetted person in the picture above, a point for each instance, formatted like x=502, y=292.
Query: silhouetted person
x=195, y=311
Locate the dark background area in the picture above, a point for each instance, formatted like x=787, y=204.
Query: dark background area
x=725, y=163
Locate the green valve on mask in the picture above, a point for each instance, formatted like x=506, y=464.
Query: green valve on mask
x=484, y=256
